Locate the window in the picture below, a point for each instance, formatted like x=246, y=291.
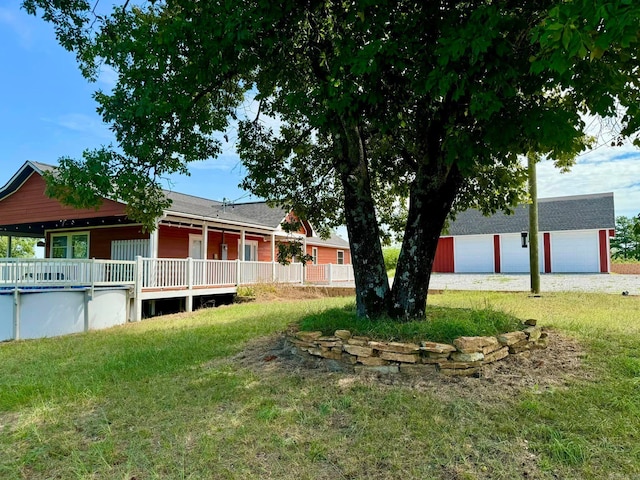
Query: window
x=70, y=245
x=314, y=254
x=340, y=257
x=250, y=250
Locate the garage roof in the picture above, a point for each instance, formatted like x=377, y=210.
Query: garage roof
x=578, y=212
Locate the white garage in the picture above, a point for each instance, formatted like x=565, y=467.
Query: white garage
x=514, y=258
x=473, y=254
x=574, y=238
x=574, y=252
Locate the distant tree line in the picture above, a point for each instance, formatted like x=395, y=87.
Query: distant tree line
x=626, y=244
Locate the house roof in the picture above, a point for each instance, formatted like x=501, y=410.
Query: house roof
x=578, y=212
x=21, y=176
x=334, y=241
x=256, y=214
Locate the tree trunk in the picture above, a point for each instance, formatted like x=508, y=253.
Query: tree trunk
x=431, y=198
x=372, y=284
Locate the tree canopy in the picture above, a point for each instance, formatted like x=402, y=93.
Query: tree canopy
x=625, y=245
x=381, y=114
x=20, y=247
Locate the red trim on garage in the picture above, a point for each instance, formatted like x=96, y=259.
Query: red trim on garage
x=496, y=253
x=604, y=252
x=547, y=253
x=443, y=262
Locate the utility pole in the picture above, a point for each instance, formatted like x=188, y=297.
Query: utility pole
x=534, y=267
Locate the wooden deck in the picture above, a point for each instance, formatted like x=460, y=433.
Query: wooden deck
x=163, y=278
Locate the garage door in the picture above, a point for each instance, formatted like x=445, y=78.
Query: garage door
x=473, y=254
x=574, y=252
x=514, y=258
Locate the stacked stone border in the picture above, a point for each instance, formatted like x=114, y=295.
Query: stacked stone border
x=465, y=357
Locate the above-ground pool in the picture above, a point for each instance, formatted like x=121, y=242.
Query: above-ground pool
x=37, y=312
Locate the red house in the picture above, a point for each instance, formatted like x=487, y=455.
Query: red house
x=201, y=247
x=192, y=227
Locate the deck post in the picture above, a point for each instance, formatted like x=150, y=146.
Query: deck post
x=16, y=313
x=329, y=273
x=87, y=301
x=189, y=299
x=238, y=270
x=139, y=276
x=205, y=240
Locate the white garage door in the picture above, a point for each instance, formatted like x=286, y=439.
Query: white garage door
x=473, y=254
x=514, y=258
x=574, y=252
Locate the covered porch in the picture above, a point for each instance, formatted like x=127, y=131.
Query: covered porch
x=139, y=280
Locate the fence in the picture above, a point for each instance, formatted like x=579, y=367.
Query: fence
x=63, y=272
x=163, y=273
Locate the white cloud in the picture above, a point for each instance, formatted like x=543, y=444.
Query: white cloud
x=82, y=123
x=607, y=169
x=17, y=21
x=108, y=76
x=226, y=163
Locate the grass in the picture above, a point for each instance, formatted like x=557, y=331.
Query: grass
x=442, y=324
x=161, y=399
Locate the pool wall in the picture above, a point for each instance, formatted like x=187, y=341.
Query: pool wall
x=38, y=313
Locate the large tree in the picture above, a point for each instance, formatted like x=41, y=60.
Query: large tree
x=377, y=103
x=20, y=247
x=625, y=245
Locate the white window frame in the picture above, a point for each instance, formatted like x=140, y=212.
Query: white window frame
x=69, y=247
x=314, y=254
x=198, y=238
x=338, y=260
x=254, y=249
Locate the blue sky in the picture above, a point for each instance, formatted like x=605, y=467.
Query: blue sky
x=47, y=111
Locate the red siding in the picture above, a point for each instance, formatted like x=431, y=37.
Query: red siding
x=329, y=254
x=29, y=204
x=547, y=253
x=100, y=239
x=443, y=262
x=173, y=242
x=496, y=254
x=604, y=251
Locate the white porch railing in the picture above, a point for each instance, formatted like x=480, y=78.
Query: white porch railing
x=163, y=273
x=62, y=272
x=329, y=273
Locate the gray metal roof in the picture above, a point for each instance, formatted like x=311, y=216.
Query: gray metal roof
x=254, y=213
x=578, y=212
x=334, y=241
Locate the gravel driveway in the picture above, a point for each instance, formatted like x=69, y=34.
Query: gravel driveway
x=552, y=282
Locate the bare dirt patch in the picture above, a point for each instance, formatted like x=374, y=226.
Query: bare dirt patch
x=265, y=293
x=538, y=370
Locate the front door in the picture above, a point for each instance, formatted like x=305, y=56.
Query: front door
x=195, y=247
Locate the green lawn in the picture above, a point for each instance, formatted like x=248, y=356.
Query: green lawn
x=161, y=399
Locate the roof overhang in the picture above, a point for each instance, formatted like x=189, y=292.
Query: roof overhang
x=37, y=229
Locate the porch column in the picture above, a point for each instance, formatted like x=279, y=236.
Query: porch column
x=9, y=246
x=153, y=241
x=242, y=240
x=205, y=240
